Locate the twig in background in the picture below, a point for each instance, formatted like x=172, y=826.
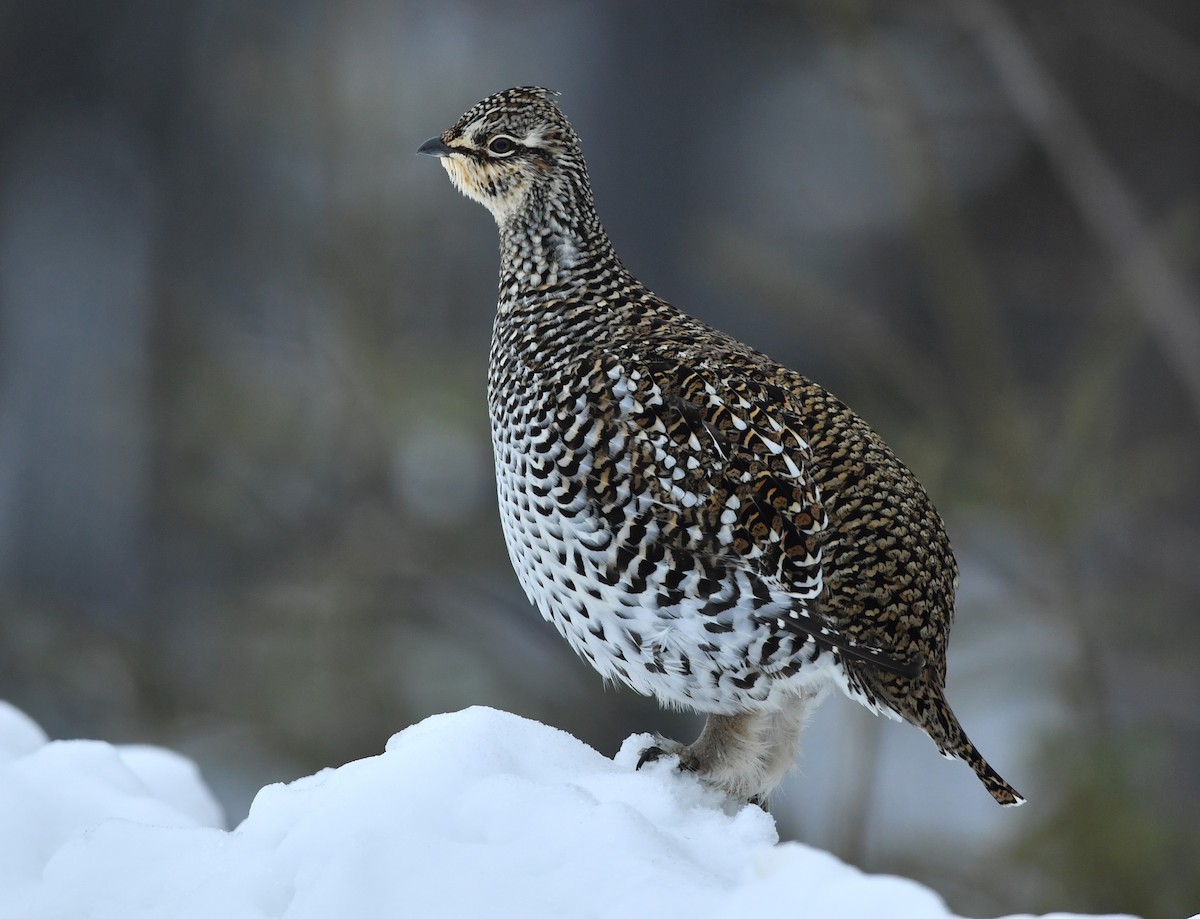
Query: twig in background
x=1168, y=309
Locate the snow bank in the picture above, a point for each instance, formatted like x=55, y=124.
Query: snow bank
x=478, y=813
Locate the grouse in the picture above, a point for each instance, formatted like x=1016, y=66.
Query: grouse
x=699, y=522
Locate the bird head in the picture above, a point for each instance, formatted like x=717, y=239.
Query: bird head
x=510, y=150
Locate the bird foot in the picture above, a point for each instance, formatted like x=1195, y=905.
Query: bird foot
x=689, y=761
x=663, y=746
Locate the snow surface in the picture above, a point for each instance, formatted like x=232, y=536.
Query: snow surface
x=477, y=813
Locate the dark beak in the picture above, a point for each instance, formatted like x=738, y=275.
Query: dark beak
x=434, y=147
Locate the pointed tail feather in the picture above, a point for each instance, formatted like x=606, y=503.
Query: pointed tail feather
x=923, y=704
x=952, y=741
x=1005, y=794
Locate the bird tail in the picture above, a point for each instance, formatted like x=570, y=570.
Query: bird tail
x=923, y=704
x=954, y=743
x=1005, y=794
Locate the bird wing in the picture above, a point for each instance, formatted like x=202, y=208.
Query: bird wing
x=726, y=467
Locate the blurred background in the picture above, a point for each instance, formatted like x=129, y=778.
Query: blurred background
x=246, y=499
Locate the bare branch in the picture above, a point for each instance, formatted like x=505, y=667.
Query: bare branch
x=1136, y=35
x=1169, y=310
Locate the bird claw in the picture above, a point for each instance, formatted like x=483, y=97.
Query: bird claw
x=657, y=751
x=651, y=754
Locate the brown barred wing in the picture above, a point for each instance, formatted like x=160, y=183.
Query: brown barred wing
x=724, y=466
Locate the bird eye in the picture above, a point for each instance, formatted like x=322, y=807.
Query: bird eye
x=501, y=145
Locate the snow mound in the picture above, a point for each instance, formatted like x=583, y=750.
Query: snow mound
x=467, y=814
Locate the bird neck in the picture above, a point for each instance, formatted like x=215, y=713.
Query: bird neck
x=554, y=242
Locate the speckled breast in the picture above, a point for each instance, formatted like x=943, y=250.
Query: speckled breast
x=639, y=609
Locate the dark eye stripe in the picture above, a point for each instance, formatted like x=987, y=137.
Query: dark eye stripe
x=480, y=153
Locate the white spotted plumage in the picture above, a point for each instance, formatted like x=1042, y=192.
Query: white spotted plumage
x=699, y=522
x=565, y=553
